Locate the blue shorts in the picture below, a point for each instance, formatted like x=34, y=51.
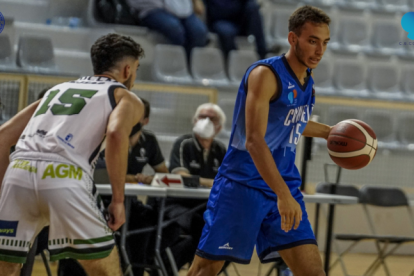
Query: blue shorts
x=238, y=217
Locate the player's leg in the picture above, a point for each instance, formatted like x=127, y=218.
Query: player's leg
x=20, y=216
x=298, y=248
x=303, y=260
x=103, y=267
x=232, y=222
x=9, y=269
x=78, y=228
x=205, y=267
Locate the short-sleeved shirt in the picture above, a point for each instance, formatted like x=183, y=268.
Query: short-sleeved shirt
x=188, y=154
x=146, y=151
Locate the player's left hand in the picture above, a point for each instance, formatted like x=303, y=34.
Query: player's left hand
x=116, y=215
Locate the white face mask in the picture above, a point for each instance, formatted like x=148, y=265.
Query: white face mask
x=204, y=128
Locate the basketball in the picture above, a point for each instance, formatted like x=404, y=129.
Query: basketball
x=352, y=144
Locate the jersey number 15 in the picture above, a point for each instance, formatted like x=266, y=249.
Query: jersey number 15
x=70, y=105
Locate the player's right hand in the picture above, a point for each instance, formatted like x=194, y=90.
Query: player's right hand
x=290, y=212
x=116, y=215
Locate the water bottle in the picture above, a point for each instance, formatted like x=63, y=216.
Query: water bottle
x=72, y=22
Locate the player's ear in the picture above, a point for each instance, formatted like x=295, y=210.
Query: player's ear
x=292, y=38
x=127, y=71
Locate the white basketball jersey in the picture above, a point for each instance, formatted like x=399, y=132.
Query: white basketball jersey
x=69, y=125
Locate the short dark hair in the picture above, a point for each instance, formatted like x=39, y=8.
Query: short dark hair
x=43, y=92
x=147, y=106
x=111, y=48
x=307, y=14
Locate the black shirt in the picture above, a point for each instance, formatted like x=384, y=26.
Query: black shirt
x=188, y=153
x=146, y=151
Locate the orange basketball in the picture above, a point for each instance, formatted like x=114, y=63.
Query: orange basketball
x=352, y=144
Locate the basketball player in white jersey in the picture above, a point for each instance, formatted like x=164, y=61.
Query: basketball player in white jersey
x=49, y=178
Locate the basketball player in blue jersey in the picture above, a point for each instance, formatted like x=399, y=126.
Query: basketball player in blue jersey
x=255, y=199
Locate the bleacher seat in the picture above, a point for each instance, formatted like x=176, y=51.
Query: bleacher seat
x=170, y=64
x=238, y=63
x=407, y=81
x=279, y=29
x=384, y=79
x=356, y=4
x=340, y=113
x=349, y=77
x=392, y=6
x=352, y=33
x=384, y=38
x=382, y=122
x=323, y=74
x=207, y=66
x=35, y=53
x=405, y=128
x=6, y=53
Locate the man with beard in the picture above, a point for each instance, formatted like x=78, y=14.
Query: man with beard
x=255, y=199
x=49, y=180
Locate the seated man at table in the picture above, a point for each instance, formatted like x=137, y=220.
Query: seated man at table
x=144, y=149
x=197, y=154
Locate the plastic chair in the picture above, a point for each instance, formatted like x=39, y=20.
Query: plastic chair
x=36, y=53
x=6, y=53
x=382, y=122
x=405, y=132
x=385, y=35
x=337, y=114
x=384, y=80
x=323, y=75
x=238, y=63
x=170, y=64
x=407, y=80
x=207, y=66
x=352, y=33
x=349, y=77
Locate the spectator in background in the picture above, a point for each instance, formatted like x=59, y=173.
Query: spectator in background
x=144, y=149
x=231, y=18
x=197, y=154
x=175, y=19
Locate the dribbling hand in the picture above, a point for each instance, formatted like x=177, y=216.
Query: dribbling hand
x=116, y=213
x=290, y=212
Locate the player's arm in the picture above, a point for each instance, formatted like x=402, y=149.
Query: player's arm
x=262, y=88
x=126, y=114
x=315, y=129
x=10, y=133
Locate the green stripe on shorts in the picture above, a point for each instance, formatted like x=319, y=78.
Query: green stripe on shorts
x=13, y=256
x=95, y=240
x=81, y=254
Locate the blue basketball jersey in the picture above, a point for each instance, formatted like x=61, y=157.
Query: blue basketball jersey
x=288, y=117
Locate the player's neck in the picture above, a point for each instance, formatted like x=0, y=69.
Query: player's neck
x=298, y=67
x=107, y=75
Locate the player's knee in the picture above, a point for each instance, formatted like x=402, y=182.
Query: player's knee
x=7, y=268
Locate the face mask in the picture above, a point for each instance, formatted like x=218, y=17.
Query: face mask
x=204, y=128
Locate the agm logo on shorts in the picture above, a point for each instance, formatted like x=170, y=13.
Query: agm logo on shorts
x=63, y=171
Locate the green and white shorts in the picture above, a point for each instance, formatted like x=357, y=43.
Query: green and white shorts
x=35, y=194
